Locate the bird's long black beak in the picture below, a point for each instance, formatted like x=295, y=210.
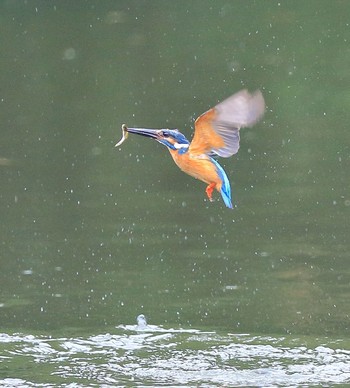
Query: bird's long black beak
x=154, y=133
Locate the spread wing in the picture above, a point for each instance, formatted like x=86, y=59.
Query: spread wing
x=217, y=130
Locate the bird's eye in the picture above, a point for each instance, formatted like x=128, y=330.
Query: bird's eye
x=165, y=134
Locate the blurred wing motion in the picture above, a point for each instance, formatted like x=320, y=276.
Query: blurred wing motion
x=217, y=130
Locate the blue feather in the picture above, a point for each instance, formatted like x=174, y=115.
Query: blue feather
x=177, y=136
x=225, y=188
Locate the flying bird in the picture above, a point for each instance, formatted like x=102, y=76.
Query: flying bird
x=216, y=133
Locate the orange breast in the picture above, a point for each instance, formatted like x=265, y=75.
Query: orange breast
x=200, y=167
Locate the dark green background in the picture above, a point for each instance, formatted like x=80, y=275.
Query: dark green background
x=92, y=236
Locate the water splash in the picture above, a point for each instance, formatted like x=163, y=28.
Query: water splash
x=174, y=357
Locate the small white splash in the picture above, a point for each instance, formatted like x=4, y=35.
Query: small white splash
x=143, y=326
x=231, y=287
x=141, y=322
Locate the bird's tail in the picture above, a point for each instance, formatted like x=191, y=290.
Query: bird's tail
x=225, y=188
x=226, y=195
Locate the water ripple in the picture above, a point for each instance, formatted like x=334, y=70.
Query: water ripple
x=172, y=357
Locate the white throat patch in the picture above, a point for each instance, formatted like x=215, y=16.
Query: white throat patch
x=179, y=146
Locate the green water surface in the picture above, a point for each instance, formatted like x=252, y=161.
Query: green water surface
x=92, y=235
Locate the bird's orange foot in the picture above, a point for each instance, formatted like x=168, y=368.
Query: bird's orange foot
x=209, y=191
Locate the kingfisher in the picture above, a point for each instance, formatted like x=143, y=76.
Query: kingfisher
x=216, y=133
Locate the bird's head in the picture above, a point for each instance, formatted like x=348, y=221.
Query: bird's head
x=171, y=138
